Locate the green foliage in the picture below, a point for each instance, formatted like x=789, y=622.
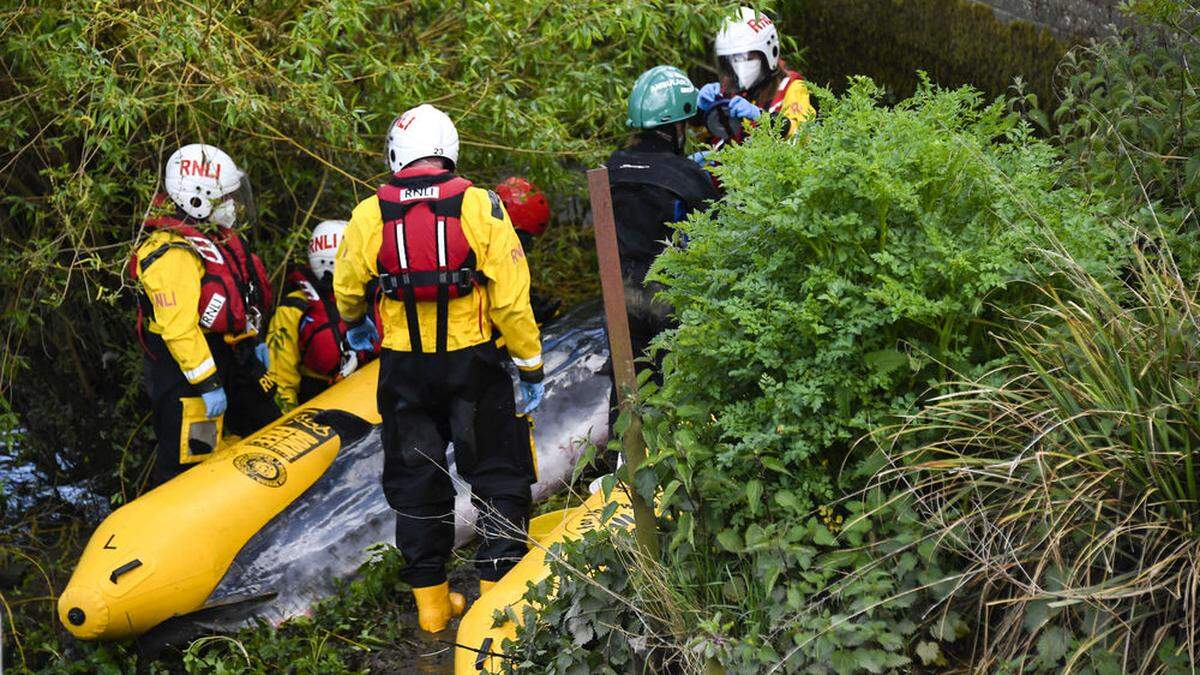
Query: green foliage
x=1126, y=119
x=838, y=275
x=1066, y=481
x=299, y=94
x=843, y=272
x=352, y=631
x=573, y=624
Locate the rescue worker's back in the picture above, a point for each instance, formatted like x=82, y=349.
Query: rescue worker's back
x=450, y=269
x=503, y=300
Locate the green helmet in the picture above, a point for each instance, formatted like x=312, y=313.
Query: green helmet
x=661, y=95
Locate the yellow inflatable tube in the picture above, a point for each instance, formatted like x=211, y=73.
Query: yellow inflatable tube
x=479, y=643
x=163, y=554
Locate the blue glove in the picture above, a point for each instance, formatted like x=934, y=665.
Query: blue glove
x=362, y=335
x=531, y=393
x=263, y=354
x=740, y=107
x=215, y=402
x=710, y=95
x=700, y=157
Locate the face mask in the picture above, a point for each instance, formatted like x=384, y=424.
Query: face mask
x=225, y=213
x=748, y=69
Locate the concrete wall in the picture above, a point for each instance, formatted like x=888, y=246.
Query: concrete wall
x=1068, y=19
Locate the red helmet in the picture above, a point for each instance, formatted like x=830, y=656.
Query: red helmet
x=526, y=205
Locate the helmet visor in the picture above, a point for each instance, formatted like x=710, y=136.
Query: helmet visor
x=235, y=209
x=741, y=71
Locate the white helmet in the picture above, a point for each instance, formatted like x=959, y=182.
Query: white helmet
x=423, y=131
x=204, y=182
x=740, y=39
x=323, y=246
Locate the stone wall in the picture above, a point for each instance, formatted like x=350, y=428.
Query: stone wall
x=1069, y=20
x=955, y=42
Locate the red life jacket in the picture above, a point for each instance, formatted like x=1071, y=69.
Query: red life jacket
x=424, y=256
x=321, y=330
x=789, y=77
x=234, y=290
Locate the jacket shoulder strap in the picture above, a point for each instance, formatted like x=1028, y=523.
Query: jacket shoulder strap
x=159, y=252
x=294, y=302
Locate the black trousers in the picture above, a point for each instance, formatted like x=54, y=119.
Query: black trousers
x=251, y=396
x=464, y=396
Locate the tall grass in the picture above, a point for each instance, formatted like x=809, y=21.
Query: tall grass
x=1066, y=480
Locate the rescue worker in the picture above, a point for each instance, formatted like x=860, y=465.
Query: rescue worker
x=307, y=336
x=526, y=205
x=450, y=267
x=753, y=80
x=653, y=186
x=205, y=295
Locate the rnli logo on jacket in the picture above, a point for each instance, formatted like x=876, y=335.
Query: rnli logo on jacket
x=419, y=194
x=263, y=468
x=212, y=310
x=309, y=292
x=207, y=250
x=163, y=299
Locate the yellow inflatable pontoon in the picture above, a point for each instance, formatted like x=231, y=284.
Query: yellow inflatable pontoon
x=129, y=580
x=480, y=645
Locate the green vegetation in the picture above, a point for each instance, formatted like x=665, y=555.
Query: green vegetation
x=93, y=101
x=299, y=94
x=841, y=275
x=1065, y=482
x=931, y=404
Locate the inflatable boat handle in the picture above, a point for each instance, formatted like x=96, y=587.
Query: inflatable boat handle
x=124, y=569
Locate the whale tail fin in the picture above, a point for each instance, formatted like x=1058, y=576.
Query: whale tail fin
x=348, y=426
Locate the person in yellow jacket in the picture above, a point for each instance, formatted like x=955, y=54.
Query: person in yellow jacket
x=307, y=335
x=753, y=79
x=450, y=268
x=204, y=294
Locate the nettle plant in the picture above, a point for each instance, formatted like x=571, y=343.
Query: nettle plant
x=844, y=271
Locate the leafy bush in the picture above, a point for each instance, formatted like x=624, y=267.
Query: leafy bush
x=842, y=273
x=1126, y=118
x=580, y=619
x=1067, y=480
x=838, y=275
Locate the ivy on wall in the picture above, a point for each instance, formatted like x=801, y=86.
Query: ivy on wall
x=956, y=41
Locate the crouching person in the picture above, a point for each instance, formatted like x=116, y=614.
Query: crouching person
x=308, y=337
x=205, y=295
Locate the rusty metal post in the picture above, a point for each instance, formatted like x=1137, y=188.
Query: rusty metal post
x=645, y=525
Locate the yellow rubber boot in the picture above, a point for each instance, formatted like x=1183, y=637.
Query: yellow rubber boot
x=485, y=586
x=436, y=605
